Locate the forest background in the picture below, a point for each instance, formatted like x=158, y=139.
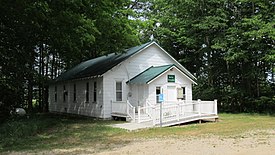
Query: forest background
x=229, y=45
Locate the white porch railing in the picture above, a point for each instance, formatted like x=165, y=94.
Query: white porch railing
x=174, y=111
x=119, y=107
x=148, y=109
x=123, y=108
x=131, y=110
x=171, y=111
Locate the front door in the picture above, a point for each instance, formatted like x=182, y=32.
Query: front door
x=171, y=93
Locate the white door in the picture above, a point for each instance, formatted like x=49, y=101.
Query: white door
x=171, y=93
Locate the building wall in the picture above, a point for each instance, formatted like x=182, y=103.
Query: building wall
x=80, y=106
x=151, y=56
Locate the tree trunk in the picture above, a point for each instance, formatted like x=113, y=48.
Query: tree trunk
x=30, y=93
x=46, y=99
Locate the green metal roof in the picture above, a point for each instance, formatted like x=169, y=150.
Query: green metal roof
x=100, y=65
x=149, y=74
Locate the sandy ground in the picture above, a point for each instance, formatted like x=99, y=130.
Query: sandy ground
x=253, y=143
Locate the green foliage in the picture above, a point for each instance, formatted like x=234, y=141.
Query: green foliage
x=263, y=105
x=228, y=45
x=39, y=39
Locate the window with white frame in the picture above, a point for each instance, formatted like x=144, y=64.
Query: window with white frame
x=181, y=93
x=118, y=91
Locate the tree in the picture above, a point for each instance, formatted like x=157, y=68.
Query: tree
x=40, y=39
x=228, y=45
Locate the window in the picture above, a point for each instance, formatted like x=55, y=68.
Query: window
x=157, y=94
x=181, y=93
x=74, y=92
x=87, y=92
x=118, y=91
x=95, y=87
x=55, y=93
x=64, y=93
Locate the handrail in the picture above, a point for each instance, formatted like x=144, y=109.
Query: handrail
x=177, y=111
x=150, y=111
x=180, y=110
x=129, y=108
x=151, y=105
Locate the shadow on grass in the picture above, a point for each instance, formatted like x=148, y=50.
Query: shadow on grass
x=51, y=131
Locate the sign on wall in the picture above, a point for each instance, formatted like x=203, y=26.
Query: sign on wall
x=160, y=98
x=171, y=78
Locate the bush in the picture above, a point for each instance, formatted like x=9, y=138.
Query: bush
x=265, y=105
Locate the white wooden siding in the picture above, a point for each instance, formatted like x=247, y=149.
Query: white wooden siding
x=80, y=106
x=139, y=94
x=109, y=88
x=151, y=56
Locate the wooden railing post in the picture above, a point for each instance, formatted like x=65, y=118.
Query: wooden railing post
x=153, y=116
x=134, y=114
x=127, y=108
x=112, y=106
x=146, y=110
x=178, y=112
x=138, y=114
x=183, y=110
x=216, y=107
x=199, y=106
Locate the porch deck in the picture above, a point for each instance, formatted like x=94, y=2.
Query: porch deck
x=167, y=114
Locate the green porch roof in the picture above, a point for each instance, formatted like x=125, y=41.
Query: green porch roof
x=100, y=65
x=149, y=74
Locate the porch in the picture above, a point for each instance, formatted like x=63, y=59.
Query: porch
x=167, y=114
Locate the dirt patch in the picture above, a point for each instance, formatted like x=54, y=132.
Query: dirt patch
x=252, y=143
x=257, y=142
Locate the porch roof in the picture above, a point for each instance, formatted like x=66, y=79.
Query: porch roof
x=149, y=74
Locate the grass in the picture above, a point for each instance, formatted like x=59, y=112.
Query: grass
x=46, y=132
x=42, y=132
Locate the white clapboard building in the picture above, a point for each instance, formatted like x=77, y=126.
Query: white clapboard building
x=128, y=85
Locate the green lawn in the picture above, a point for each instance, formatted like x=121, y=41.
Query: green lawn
x=46, y=132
